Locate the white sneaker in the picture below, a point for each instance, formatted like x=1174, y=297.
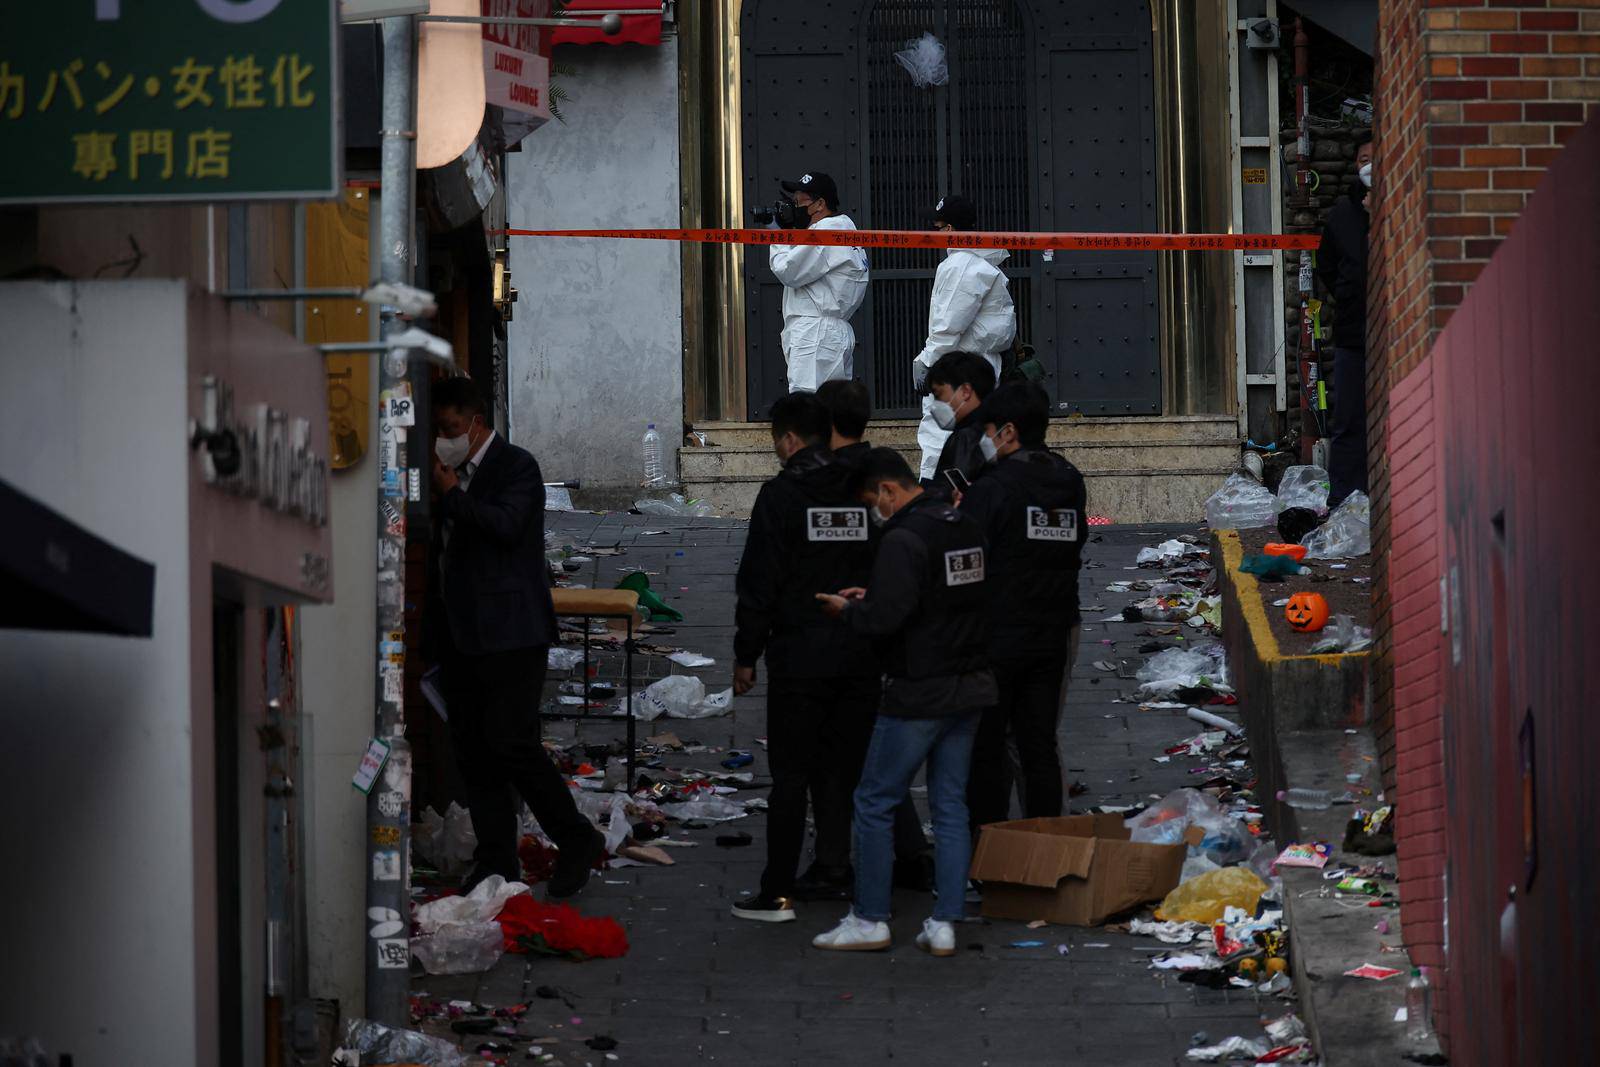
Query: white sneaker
x=937, y=938
x=854, y=934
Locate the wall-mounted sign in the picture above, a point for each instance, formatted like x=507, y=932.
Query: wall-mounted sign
x=515, y=76
x=268, y=455
x=1255, y=175
x=177, y=100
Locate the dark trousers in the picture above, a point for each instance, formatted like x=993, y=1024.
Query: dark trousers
x=1028, y=711
x=494, y=703
x=1347, y=429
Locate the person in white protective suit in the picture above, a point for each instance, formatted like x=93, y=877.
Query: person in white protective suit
x=822, y=287
x=971, y=311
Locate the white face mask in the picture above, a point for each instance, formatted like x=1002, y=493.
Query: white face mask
x=453, y=451
x=1365, y=174
x=878, y=518
x=989, y=449
x=943, y=414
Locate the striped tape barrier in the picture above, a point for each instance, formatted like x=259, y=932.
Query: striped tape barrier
x=1017, y=242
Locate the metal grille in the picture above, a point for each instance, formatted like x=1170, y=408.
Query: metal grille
x=969, y=137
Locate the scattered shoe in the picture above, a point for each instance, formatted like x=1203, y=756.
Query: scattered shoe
x=937, y=938
x=764, y=909
x=825, y=883
x=855, y=934
x=573, y=865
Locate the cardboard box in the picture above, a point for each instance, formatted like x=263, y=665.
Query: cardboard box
x=1079, y=869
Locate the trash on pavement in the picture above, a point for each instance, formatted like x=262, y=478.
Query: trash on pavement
x=680, y=696
x=1241, y=503
x=1310, y=855
x=563, y=659
x=560, y=930
x=1076, y=869
x=1235, y=1048
x=1201, y=716
x=1205, y=899
x=1296, y=552
x=1189, y=816
x=1304, y=487
x=1272, y=566
x=1372, y=972
x=1306, y=612
x=376, y=1043
x=1202, y=667
x=1167, y=933
x=691, y=659
x=656, y=609
x=1348, y=531
x=1344, y=634
x=705, y=807
x=673, y=504
x=479, y=906
x=460, y=948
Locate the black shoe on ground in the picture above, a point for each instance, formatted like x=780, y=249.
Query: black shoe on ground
x=764, y=909
x=480, y=871
x=914, y=874
x=825, y=883
x=573, y=866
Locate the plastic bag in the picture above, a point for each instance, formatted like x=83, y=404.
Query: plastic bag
x=460, y=948
x=673, y=504
x=446, y=841
x=1205, y=666
x=1344, y=635
x=1303, y=487
x=924, y=61
x=680, y=696
x=563, y=659
x=1204, y=899
x=1241, y=504
x=1348, y=531
x=1234, y=1048
x=377, y=1043
x=479, y=906
x=706, y=807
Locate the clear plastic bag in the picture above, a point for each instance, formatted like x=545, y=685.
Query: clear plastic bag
x=673, y=504
x=1204, y=666
x=1241, y=504
x=924, y=60
x=479, y=906
x=1348, y=531
x=1344, y=635
x=706, y=807
x=447, y=841
x=1303, y=487
x=377, y=1043
x=460, y=948
x=680, y=696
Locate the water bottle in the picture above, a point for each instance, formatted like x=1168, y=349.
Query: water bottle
x=1306, y=799
x=655, y=458
x=1419, y=1006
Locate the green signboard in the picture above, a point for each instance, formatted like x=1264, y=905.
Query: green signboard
x=112, y=100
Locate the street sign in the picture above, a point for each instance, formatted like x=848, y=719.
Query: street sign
x=117, y=100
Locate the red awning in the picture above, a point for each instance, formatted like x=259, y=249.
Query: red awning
x=636, y=29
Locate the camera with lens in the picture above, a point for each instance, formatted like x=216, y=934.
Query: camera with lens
x=787, y=214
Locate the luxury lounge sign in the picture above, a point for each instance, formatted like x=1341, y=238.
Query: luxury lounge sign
x=515, y=75
x=262, y=453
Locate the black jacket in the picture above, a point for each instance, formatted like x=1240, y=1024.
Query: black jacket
x=927, y=612
x=1342, y=266
x=852, y=456
x=961, y=451
x=1031, y=507
x=495, y=587
x=808, y=535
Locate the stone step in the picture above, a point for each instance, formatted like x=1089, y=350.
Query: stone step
x=711, y=464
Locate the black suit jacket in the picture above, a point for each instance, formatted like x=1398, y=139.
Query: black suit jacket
x=496, y=587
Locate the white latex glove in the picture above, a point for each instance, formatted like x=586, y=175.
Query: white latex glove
x=919, y=374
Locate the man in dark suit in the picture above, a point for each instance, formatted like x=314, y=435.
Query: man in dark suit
x=499, y=626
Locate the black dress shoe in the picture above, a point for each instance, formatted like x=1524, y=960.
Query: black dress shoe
x=825, y=883
x=480, y=871
x=574, y=864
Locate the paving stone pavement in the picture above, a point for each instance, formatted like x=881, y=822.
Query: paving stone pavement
x=699, y=986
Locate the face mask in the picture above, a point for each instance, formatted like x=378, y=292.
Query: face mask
x=878, y=518
x=1365, y=174
x=791, y=216
x=943, y=414
x=989, y=449
x=453, y=451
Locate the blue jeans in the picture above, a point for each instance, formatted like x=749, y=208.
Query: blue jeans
x=899, y=747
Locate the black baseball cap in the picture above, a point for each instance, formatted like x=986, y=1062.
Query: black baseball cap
x=816, y=184
x=958, y=211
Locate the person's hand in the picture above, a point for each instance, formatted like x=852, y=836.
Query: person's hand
x=744, y=680
x=956, y=496
x=832, y=606
x=919, y=374
x=855, y=592
x=444, y=478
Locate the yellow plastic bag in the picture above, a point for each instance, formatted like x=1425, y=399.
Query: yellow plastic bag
x=1204, y=898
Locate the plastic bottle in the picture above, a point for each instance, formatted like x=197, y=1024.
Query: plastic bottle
x=1306, y=799
x=1419, y=1006
x=655, y=458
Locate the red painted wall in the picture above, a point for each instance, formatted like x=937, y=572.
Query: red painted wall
x=1516, y=480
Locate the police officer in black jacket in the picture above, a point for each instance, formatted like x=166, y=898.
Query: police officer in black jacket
x=849, y=409
x=1030, y=502
x=960, y=381
x=807, y=535
x=926, y=607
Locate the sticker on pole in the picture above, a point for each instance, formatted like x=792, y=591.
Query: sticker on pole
x=372, y=762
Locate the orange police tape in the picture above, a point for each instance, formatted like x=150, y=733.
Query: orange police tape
x=1086, y=242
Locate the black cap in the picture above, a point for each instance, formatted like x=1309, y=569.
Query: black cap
x=958, y=211
x=817, y=184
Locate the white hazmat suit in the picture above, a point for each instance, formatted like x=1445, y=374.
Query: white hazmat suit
x=823, y=286
x=971, y=311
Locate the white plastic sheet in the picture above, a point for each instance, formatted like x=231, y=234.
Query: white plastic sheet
x=1241, y=504
x=479, y=906
x=460, y=948
x=680, y=696
x=924, y=60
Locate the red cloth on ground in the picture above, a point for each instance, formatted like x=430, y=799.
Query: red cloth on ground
x=560, y=929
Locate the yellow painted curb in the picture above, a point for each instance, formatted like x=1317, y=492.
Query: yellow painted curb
x=1253, y=607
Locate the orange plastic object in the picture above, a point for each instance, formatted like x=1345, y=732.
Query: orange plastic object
x=1306, y=612
x=1294, y=552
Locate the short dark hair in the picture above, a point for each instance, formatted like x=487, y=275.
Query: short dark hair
x=882, y=465
x=956, y=369
x=1362, y=137
x=1023, y=404
x=462, y=394
x=803, y=415
x=848, y=406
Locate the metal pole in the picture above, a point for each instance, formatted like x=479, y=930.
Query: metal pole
x=388, y=950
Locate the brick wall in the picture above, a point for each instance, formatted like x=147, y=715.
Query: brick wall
x=1473, y=100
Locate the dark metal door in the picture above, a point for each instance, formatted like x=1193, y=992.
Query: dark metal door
x=1047, y=122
